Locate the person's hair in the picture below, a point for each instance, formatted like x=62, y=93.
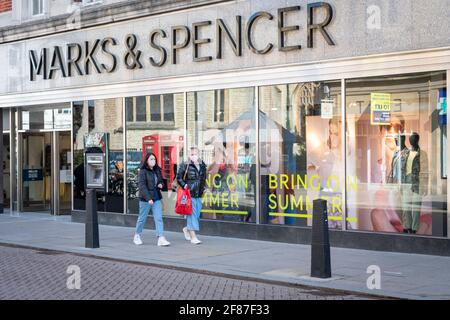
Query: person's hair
x=194, y=148
x=145, y=162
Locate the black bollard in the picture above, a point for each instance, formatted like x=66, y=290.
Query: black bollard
x=320, y=245
x=91, y=231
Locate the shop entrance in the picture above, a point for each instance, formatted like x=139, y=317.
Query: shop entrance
x=45, y=170
x=44, y=161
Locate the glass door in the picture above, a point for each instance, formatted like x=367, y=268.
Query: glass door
x=63, y=173
x=36, y=171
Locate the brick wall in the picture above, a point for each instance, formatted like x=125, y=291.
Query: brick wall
x=5, y=5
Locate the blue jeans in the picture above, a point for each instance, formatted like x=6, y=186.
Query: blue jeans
x=144, y=209
x=194, y=218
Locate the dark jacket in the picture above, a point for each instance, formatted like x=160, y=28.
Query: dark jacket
x=419, y=175
x=147, y=186
x=196, y=179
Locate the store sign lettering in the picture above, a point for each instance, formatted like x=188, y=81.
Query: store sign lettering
x=97, y=56
x=330, y=186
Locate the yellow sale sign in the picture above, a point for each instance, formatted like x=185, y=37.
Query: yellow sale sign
x=380, y=108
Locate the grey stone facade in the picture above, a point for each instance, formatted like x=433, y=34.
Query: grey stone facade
x=358, y=28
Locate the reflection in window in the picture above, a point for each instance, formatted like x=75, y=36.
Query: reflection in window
x=219, y=105
x=102, y=118
x=228, y=148
x=129, y=102
x=168, y=107
x=163, y=134
x=301, y=152
x=141, y=109
x=397, y=154
x=155, y=107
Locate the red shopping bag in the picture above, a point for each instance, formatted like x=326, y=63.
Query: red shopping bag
x=184, y=202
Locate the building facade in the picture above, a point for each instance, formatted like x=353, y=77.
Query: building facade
x=288, y=100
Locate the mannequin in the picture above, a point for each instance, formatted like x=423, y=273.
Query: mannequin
x=398, y=159
x=413, y=185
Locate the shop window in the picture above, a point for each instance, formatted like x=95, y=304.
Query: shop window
x=104, y=131
x=162, y=134
x=398, y=153
x=301, y=152
x=228, y=150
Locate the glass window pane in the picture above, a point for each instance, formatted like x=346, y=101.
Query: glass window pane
x=301, y=152
x=5, y=119
x=62, y=118
x=396, y=158
x=48, y=117
x=228, y=150
x=168, y=107
x=107, y=133
x=155, y=108
x=141, y=109
x=38, y=7
x=129, y=108
x=166, y=141
x=91, y=115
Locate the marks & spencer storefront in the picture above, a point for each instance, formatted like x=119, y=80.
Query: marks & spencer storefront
x=288, y=101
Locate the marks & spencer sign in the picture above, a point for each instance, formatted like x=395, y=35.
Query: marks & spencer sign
x=164, y=46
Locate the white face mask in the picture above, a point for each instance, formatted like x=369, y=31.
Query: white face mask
x=152, y=163
x=194, y=158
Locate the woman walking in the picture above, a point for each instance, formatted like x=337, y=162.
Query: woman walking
x=150, y=185
x=195, y=170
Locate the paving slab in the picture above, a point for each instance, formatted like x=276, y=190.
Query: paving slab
x=409, y=276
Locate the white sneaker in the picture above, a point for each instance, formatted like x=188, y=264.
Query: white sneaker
x=137, y=240
x=187, y=236
x=195, y=241
x=162, y=242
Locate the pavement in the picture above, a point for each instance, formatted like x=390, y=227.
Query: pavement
x=406, y=276
x=34, y=274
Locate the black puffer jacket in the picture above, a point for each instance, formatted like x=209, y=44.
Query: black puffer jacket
x=147, y=186
x=195, y=179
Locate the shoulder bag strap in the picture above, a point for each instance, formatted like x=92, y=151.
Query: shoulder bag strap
x=185, y=172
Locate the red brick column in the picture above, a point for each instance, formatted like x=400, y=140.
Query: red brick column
x=5, y=5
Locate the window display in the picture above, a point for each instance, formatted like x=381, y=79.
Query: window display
x=301, y=152
x=221, y=123
x=383, y=168
x=155, y=124
x=400, y=187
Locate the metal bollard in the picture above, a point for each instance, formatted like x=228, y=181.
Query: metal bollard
x=320, y=245
x=91, y=229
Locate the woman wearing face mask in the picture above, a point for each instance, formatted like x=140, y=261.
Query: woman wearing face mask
x=150, y=185
x=195, y=180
